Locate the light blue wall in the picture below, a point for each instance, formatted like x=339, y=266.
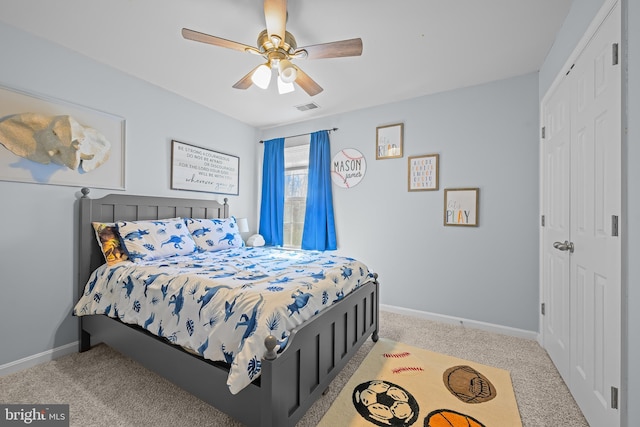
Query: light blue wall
x=487, y=137
x=37, y=257
x=580, y=16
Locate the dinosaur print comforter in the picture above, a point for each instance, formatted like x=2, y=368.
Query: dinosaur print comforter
x=223, y=304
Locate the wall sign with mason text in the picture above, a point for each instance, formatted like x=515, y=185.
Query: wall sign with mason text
x=200, y=169
x=348, y=168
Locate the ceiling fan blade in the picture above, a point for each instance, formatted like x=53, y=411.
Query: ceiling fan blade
x=307, y=83
x=275, y=15
x=245, y=82
x=216, y=41
x=339, y=49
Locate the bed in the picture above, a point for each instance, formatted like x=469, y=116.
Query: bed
x=293, y=372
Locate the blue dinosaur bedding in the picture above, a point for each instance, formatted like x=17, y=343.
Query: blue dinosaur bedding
x=222, y=305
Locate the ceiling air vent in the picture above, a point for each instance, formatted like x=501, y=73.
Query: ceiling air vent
x=305, y=107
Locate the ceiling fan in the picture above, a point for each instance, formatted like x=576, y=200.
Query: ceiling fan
x=278, y=47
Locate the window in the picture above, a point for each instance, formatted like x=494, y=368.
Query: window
x=296, y=172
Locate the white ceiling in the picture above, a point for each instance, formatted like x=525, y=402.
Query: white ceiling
x=411, y=47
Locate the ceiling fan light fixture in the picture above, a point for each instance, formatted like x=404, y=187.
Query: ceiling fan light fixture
x=284, y=87
x=276, y=40
x=262, y=76
x=278, y=47
x=287, y=71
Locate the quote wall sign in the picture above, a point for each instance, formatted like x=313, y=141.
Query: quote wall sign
x=199, y=169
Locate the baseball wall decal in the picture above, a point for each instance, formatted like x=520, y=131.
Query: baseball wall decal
x=348, y=168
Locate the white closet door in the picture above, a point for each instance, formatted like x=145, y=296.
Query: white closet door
x=595, y=203
x=581, y=201
x=555, y=199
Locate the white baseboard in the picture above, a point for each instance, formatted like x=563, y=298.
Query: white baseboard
x=490, y=327
x=46, y=356
x=37, y=359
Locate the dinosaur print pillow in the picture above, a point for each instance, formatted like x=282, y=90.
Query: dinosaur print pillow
x=215, y=234
x=149, y=240
x=109, y=241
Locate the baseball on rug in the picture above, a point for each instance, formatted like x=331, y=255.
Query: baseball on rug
x=401, y=385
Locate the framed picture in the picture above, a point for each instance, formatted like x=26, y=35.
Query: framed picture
x=461, y=206
x=389, y=141
x=423, y=172
x=200, y=169
x=45, y=140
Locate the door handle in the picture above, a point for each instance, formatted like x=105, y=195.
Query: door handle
x=566, y=246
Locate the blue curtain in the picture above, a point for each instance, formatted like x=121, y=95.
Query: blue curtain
x=319, y=228
x=272, y=203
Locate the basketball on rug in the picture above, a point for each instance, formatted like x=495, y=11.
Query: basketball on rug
x=398, y=385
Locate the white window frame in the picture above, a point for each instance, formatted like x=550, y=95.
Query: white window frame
x=292, y=143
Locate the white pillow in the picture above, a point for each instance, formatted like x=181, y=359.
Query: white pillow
x=148, y=240
x=215, y=234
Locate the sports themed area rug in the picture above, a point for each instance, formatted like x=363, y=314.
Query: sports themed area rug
x=401, y=385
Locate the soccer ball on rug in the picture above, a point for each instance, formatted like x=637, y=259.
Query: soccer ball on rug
x=385, y=404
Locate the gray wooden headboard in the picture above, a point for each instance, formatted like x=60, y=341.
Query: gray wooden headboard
x=126, y=207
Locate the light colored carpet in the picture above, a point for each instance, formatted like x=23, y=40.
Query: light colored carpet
x=398, y=384
x=104, y=388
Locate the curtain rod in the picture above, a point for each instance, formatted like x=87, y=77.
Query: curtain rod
x=303, y=134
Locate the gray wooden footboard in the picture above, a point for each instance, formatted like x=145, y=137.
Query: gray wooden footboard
x=289, y=384
x=316, y=353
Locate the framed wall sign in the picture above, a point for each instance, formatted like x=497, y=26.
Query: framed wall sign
x=389, y=141
x=44, y=140
x=348, y=168
x=423, y=172
x=200, y=169
x=461, y=206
